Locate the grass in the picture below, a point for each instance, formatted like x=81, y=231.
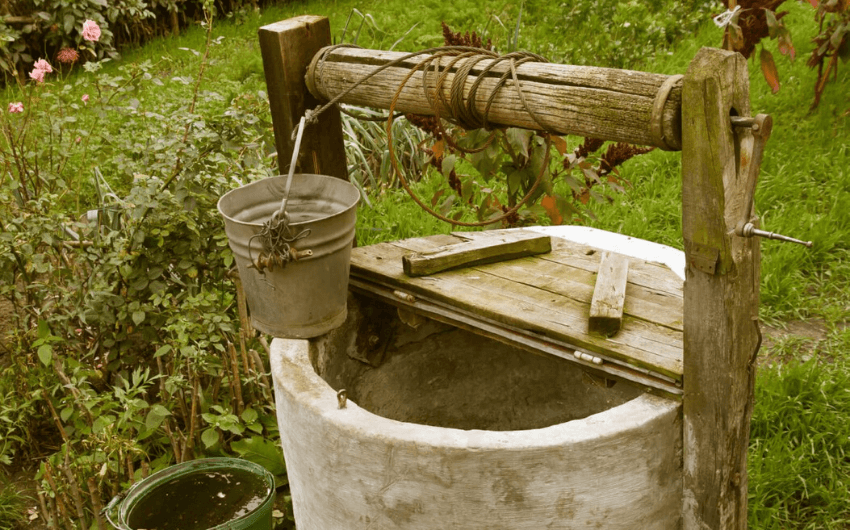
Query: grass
x=12, y=506
x=800, y=449
x=799, y=463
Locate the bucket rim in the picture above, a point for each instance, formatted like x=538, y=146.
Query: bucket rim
x=343, y=211
x=150, y=483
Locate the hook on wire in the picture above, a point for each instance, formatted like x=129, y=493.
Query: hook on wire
x=276, y=235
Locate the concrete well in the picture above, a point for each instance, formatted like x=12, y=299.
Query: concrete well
x=446, y=429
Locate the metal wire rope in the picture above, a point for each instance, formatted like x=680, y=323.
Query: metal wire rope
x=462, y=110
x=438, y=90
x=313, y=114
x=455, y=107
x=276, y=235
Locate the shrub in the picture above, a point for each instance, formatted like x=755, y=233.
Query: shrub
x=36, y=28
x=127, y=343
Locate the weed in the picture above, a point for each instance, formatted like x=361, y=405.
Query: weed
x=126, y=322
x=13, y=506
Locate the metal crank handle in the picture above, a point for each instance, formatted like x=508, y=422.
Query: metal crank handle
x=749, y=230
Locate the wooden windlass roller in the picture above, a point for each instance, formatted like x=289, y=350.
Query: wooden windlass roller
x=621, y=105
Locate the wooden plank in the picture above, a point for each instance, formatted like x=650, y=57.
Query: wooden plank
x=721, y=297
x=552, y=276
x=498, y=247
x=531, y=342
x=645, y=273
x=641, y=303
x=609, y=295
x=514, y=276
x=287, y=48
x=654, y=292
x=585, y=101
x=522, y=306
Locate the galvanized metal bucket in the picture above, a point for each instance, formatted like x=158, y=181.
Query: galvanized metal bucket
x=305, y=297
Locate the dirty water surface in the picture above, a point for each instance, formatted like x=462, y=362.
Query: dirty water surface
x=199, y=500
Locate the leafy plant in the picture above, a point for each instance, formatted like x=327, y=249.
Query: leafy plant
x=46, y=27
x=126, y=318
x=13, y=506
x=368, y=155
x=515, y=170
x=748, y=22
x=832, y=42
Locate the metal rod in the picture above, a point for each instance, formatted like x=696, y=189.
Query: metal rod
x=292, y=164
x=745, y=121
x=750, y=230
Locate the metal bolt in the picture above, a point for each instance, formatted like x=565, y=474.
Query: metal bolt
x=753, y=122
x=749, y=230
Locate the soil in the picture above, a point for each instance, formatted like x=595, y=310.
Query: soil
x=809, y=336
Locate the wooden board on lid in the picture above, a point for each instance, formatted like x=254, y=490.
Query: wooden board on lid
x=542, y=303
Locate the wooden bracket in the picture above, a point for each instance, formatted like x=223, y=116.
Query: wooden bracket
x=703, y=257
x=609, y=295
x=287, y=48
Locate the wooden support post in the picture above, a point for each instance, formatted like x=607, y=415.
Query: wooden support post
x=721, y=336
x=288, y=47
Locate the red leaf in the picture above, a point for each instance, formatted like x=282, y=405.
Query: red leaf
x=785, y=45
x=436, y=197
x=735, y=35
x=814, y=3
x=560, y=144
x=437, y=149
x=768, y=68
x=772, y=23
x=551, y=205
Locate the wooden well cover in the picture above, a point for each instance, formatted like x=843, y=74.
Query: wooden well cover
x=542, y=304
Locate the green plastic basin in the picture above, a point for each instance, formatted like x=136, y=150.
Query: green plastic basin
x=205, y=494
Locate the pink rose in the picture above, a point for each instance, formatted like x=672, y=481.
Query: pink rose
x=37, y=75
x=85, y=99
x=16, y=107
x=43, y=65
x=91, y=31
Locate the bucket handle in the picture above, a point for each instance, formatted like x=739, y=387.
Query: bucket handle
x=107, y=512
